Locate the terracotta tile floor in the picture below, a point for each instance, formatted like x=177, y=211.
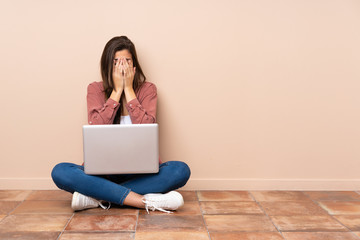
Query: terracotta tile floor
x=215, y=215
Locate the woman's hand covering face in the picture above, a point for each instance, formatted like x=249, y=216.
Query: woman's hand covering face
x=128, y=72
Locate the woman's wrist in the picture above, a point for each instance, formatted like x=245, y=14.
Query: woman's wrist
x=128, y=88
x=118, y=90
x=116, y=95
x=129, y=93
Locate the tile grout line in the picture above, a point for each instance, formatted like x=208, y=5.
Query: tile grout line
x=202, y=214
x=3, y=218
x=21, y=202
x=261, y=207
x=137, y=220
x=331, y=216
x=67, y=223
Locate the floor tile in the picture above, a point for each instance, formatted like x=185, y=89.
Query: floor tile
x=14, y=195
x=319, y=236
x=246, y=236
x=97, y=236
x=189, y=208
x=228, y=215
x=170, y=223
x=261, y=196
x=102, y=223
x=224, y=196
x=171, y=235
x=189, y=195
x=333, y=195
x=44, y=207
x=34, y=223
x=352, y=222
x=49, y=195
x=111, y=211
x=307, y=223
x=29, y=235
x=292, y=208
x=248, y=223
x=7, y=206
x=230, y=208
x=341, y=208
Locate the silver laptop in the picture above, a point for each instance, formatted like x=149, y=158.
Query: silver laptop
x=121, y=149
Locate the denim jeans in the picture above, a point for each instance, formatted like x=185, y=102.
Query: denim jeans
x=114, y=188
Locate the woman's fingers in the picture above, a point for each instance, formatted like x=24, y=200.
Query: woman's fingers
x=126, y=63
x=131, y=69
x=117, y=64
x=120, y=67
x=125, y=67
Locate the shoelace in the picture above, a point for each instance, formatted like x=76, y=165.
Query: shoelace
x=153, y=207
x=103, y=207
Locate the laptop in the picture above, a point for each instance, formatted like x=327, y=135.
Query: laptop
x=121, y=149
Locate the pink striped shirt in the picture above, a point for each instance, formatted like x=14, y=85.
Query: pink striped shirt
x=142, y=109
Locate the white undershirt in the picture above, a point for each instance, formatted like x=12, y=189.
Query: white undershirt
x=125, y=119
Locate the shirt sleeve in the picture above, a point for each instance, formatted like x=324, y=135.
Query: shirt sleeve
x=99, y=111
x=143, y=111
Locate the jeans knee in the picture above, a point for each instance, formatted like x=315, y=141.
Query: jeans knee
x=180, y=172
x=59, y=172
x=186, y=172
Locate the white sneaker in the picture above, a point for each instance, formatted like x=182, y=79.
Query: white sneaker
x=157, y=201
x=81, y=202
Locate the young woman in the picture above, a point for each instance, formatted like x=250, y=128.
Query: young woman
x=123, y=97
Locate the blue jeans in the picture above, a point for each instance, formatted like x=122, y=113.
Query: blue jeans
x=114, y=188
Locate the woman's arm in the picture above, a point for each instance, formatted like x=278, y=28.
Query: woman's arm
x=142, y=109
x=141, y=106
x=99, y=111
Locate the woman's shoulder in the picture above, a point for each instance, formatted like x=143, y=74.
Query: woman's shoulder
x=148, y=87
x=96, y=86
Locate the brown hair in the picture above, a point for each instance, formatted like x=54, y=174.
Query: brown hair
x=107, y=63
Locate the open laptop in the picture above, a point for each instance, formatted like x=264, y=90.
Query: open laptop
x=121, y=149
